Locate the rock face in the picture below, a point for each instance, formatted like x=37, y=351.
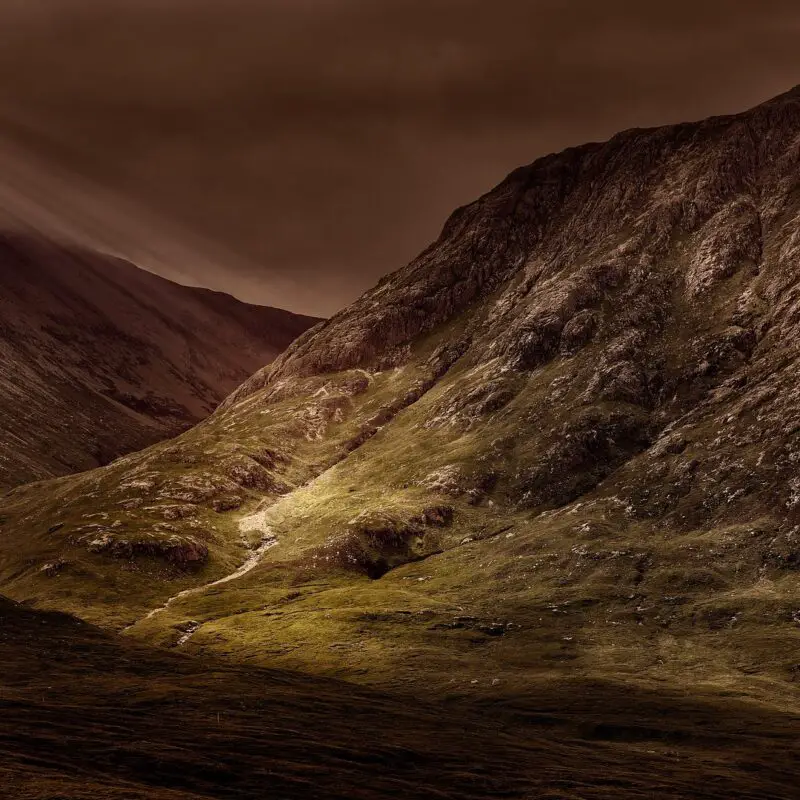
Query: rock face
x=594, y=370
x=99, y=358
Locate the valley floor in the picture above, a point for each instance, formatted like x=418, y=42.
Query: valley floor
x=85, y=715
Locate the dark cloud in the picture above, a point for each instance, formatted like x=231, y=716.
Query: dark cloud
x=325, y=141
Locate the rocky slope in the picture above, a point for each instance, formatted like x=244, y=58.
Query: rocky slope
x=563, y=441
x=99, y=358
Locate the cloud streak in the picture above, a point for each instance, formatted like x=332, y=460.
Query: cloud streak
x=325, y=141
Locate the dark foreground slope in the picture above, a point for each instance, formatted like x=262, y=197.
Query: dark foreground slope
x=85, y=716
x=99, y=358
x=561, y=445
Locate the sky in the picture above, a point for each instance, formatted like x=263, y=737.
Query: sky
x=292, y=152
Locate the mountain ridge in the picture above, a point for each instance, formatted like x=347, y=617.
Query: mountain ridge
x=552, y=174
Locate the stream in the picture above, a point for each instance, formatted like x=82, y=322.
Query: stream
x=252, y=561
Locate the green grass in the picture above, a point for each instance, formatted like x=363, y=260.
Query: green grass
x=87, y=715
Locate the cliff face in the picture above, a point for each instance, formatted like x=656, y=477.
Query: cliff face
x=623, y=206
x=563, y=438
x=100, y=358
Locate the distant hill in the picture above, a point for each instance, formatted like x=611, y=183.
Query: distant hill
x=99, y=358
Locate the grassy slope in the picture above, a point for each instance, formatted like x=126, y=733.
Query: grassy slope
x=157, y=725
x=136, y=498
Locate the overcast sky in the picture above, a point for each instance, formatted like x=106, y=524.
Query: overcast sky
x=322, y=143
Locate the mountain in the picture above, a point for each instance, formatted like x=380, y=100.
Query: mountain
x=561, y=444
x=99, y=358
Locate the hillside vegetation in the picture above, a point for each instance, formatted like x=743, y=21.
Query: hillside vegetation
x=88, y=716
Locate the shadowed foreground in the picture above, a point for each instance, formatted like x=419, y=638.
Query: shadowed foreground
x=86, y=715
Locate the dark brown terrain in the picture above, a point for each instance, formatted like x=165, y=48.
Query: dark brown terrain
x=547, y=474
x=86, y=716
x=99, y=358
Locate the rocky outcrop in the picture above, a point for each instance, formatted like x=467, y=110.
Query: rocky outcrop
x=375, y=542
x=182, y=552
